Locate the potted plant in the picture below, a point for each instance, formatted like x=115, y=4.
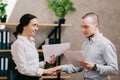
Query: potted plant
x=3, y=14
x=61, y=7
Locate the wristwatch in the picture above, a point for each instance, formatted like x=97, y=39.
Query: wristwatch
x=94, y=67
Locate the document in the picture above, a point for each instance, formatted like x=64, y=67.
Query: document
x=54, y=49
x=74, y=57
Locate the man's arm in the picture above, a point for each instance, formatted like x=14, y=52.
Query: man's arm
x=68, y=69
x=110, y=57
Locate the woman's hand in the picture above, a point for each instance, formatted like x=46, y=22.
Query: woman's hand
x=49, y=71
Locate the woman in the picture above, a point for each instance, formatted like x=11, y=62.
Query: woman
x=24, y=53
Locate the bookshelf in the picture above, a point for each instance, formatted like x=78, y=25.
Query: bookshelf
x=40, y=50
x=63, y=76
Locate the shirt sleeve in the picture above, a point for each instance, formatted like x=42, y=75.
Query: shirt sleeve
x=110, y=57
x=41, y=64
x=71, y=69
x=21, y=62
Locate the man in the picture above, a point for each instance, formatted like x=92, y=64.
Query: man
x=99, y=52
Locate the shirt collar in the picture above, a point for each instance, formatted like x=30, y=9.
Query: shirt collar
x=95, y=37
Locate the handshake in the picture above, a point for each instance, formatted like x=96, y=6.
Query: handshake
x=52, y=71
x=55, y=70
x=84, y=64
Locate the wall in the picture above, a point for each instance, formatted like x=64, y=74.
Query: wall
x=107, y=10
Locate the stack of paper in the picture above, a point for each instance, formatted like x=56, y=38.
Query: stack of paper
x=54, y=49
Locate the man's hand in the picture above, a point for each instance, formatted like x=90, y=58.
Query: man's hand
x=87, y=65
x=57, y=69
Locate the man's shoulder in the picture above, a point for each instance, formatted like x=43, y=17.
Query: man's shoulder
x=104, y=40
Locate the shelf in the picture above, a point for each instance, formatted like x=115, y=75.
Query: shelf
x=53, y=77
x=39, y=50
x=5, y=50
x=40, y=25
x=45, y=77
x=3, y=78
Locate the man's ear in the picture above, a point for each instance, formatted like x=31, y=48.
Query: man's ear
x=96, y=25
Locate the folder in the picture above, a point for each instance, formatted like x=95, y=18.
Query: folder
x=1, y=66
x=74, y=57
x=54, y=49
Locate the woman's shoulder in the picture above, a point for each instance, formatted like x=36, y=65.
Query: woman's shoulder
x=18, y=42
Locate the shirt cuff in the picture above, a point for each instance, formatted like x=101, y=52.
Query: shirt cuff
x=41, y=64
x=64, y=67
x=40, y=72
x=98, y=67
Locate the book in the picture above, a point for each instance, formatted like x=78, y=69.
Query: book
x=5, y=65
x=7, y=40
x=4, y=40
x=1, y=66
x=0, y=40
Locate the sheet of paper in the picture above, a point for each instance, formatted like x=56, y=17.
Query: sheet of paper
x=54, y=49
x=74, y=57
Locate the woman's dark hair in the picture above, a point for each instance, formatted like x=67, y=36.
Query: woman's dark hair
x=24, y=20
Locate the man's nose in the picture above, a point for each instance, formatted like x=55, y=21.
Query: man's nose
x=83, y=30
